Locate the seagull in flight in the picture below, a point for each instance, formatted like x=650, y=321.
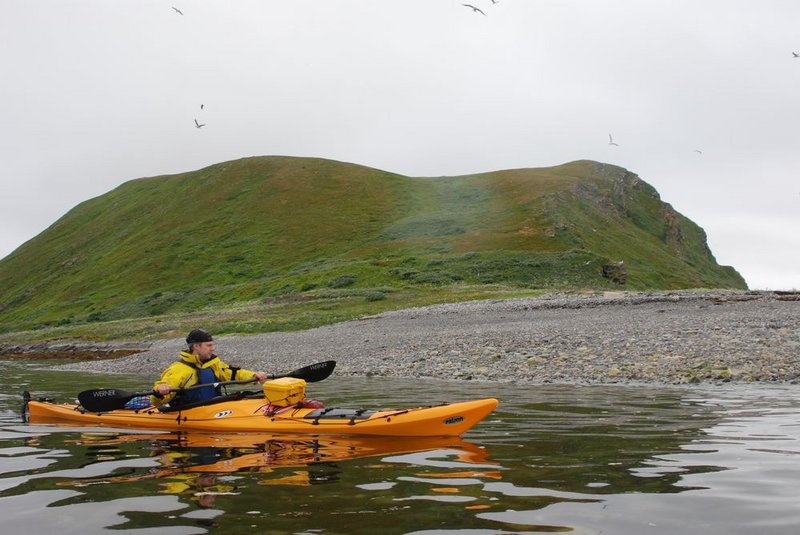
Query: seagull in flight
x=474, y=9
x=795, y=54
x=611, y=141
x=198, y=125
x=202, y=106
x=698, y=151
x=178, y=11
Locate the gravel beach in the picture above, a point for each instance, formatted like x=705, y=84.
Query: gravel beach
x=614, y=337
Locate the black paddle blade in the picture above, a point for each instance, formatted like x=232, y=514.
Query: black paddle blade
x=313, y=372
x=105, y=399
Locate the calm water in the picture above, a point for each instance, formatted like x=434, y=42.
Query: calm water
x=586, y=460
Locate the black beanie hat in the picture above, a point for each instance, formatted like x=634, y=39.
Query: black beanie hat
x=197, y=336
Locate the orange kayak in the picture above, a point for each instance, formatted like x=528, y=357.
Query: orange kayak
x=256, y=415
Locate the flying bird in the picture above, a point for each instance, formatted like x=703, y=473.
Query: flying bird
x=795, y=54
x=474, y=9
x=611, y=141
x=202, y=106
x=198, y=125
x=698, y=151
x=178, y=11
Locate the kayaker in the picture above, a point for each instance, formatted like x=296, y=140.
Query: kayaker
x=197, y=365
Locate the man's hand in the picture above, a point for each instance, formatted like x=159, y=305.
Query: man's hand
x=162, y=390
x=261, y=376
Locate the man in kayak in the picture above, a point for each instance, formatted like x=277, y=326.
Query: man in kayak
x=197, y=365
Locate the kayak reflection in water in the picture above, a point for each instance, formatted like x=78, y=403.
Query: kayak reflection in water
x=203, y=488
x=197, y=365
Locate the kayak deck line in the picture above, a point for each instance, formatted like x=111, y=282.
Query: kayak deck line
x=358, y=416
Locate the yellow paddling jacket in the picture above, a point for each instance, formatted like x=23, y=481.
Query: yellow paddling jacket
x=186, y=372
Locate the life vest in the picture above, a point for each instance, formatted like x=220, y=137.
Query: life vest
x=204, y=376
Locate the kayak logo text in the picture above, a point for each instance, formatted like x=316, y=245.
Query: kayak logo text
x=454, y=420
x=223, y=414
x=104, y=393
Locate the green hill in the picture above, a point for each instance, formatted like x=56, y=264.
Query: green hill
x=301, y=229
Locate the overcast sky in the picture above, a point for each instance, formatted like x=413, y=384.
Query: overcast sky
x=98, y=92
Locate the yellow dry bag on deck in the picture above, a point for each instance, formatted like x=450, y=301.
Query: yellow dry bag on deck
x=285, y=391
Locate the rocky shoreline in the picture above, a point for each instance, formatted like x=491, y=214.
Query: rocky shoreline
x=615, y=337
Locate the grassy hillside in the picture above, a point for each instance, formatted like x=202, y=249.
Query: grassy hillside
x=299, y=230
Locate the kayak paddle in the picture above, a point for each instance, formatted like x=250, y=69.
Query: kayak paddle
x=109, y=399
